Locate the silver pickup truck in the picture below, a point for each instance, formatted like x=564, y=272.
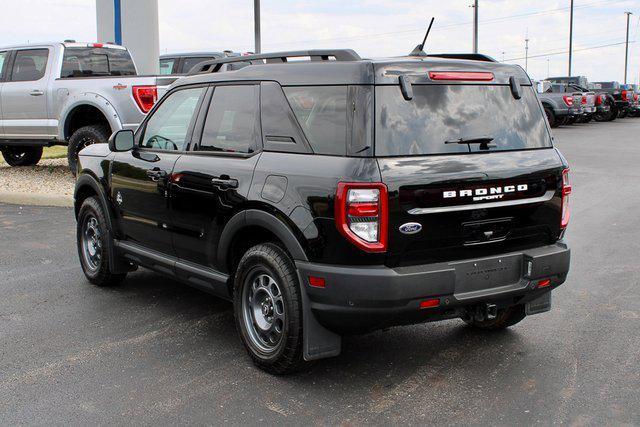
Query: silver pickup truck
x=70, y=93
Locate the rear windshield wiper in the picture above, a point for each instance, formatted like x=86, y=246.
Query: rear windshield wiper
x=484, y=142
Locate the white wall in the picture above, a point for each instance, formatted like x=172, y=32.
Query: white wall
x=139, y=29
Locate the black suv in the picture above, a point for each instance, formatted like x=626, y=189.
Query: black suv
x=333, y=195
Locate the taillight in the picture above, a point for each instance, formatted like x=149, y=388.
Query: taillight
x=568, y=100
x=566, y=191
x=583, y=100
x=145, y=97
x=635, y=97
x=624, y=95
x=599, y=100
x=361, y=214
x=472, y=76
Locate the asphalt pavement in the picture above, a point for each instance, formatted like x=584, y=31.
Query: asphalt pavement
x=153, y=351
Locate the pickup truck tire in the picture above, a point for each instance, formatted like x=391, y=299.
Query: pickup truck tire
x=268, y=309
x=83, y=137
x=505, y=318
x=551, y=117
x=93, y=240
x=622, y=114
x=22, y=156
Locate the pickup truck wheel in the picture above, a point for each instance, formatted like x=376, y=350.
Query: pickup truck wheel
x=551, y=117
x=268, y=309
x=505, y=318
x=22, y=156
x=83, y=137
x=93, y=238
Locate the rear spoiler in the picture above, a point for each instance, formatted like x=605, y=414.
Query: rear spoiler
x=468, y=56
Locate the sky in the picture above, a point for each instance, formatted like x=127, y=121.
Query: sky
x=374, y=28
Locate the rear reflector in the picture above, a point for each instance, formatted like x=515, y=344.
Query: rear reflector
x=472, y=76
x=429, y=303
x=544, y=283
x=145, y=97
x=316, y=282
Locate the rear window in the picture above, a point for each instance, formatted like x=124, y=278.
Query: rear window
x=322, y=114
x=88, y=62
x=440, y=115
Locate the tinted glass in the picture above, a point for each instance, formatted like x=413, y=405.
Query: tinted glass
x=167, y=127
x=29, y=65
x=322, y=113
x=166, y=66
x=231, y=121
x=86, y=62
x=3, y=55
x=189, y=63
x=439, y=113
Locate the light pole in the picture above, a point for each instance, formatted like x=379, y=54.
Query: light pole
x=626, y=48
x=475, y=26
x=570, y=36
x=256, y=24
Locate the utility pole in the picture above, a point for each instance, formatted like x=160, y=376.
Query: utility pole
x=570, y=36
x=626, y=48
x=548, y=68
x=526, y=53
x=503, y=52
x=475, y=26
x=256, y=24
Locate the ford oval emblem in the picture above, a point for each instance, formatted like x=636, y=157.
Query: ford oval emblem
x=410, y=228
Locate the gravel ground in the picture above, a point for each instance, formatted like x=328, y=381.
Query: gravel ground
x=48, y=177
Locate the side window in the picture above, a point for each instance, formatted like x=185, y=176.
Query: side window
x=166, y=66
x=322, y=113
x=231, y=121
x=168, y=126
x=3, y=56
x=29, y=65
x=189, y=63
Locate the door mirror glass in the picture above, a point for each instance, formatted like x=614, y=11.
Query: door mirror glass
x=121, y=140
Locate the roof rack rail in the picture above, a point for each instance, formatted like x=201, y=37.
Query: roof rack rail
x=215, y=65
x=470, y=56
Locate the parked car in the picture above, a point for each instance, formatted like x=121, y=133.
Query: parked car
x=560, y=107
x=621, y=98
x=182, y=63
x=633, y=91
x=70, y=93
x=336, y=195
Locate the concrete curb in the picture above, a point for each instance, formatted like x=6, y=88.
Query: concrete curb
x=36, y=199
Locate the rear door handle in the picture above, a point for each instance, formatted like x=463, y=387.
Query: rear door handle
x=223, y=182
x=156, y=174
x=36, y=92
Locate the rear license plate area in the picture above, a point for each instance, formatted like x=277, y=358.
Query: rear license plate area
x=489, y=273
x=479, y=232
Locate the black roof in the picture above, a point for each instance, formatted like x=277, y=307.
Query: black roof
x=344, y=66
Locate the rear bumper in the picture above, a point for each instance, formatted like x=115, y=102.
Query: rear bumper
x=360, y=299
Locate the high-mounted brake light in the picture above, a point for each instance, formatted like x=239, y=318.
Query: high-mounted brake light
x=568, y=100
x=566, y=191
x=472, y=76
x=361, y=214
x=98, y=45
x=145, y=97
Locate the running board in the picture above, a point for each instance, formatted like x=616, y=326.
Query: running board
x=203, y=278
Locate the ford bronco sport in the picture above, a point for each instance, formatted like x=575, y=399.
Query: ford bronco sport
x=333, y=195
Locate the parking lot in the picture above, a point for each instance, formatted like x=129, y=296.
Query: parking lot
x=156, y=352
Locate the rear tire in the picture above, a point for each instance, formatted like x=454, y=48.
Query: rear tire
x=551, y=117
x=93, y=239
x=268, y=309
x=21, y=156
x=83, y=137
x=505, y=318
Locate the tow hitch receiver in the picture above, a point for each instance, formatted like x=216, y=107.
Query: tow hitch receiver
x=484, y=312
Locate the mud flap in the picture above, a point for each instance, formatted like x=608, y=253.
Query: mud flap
x=538, y=305
x=317, y=341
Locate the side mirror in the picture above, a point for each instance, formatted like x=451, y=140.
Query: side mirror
x=121, y=140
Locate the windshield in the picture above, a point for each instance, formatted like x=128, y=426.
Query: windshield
x=90, y=61
x=457, y=119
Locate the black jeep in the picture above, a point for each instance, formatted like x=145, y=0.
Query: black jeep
x=333, y=195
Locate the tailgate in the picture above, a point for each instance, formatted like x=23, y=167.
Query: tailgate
x=472, y=205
